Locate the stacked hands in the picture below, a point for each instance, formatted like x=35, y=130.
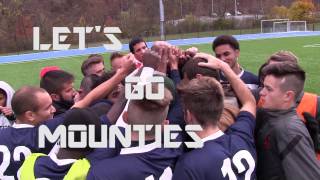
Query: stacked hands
x=163, y=56
x=169, y=56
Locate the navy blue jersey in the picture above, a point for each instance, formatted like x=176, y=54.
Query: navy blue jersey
x=19, y=141
x=224, y=156
x=148, y=162
x=54, y=169
x=251, y=80
x=137, y=163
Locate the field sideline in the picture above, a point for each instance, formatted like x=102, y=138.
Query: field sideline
x=253, y=54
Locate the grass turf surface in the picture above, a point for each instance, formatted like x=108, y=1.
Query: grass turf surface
x=253, y=53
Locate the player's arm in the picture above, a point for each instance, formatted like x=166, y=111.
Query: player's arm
x=105, y=88
x=174, y=74
x=243, y=93
x=117, y=108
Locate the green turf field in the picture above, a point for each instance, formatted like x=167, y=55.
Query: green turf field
x=253, y=54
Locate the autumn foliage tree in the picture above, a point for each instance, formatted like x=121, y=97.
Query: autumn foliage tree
x=279, y=12
x=134, y=17
x=301, y=10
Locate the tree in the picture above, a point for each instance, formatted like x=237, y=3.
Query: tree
x=301, y=10
x=11, y=11
x=279, y=12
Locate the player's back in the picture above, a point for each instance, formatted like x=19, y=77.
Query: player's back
x=19, y=141
x=215, y=159
x=229, y=155
x=137, y=163
x=15, y=144
x=52, y=167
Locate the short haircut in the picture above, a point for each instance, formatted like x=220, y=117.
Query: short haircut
x=104, y=77
x=260, y=74
x=292, y=74
x=25, y=99
x=135, y=41
x=88, y=82
x=151, y=58
x=191, y=69
x=92, y=59
x=225, y=39
x=92, y=81
x=203, y=97
x=147, y=111
x=53, y=81
x=85, y=116
x=115, y=55
x=283, y=56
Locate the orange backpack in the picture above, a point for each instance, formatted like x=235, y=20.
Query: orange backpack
x=307, y=104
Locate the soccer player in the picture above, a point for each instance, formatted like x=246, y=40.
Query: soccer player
x=145, y=162
x=31, y=107
x=137, y=47
x=86, y=85
x=308, y=107
x=93, y=65
x=151, y=61
x=284, y=146
x=227, y=49
x=68, y=162
x=101, y=106
x=59, y=84
x=224, y=155
x=116, y=61
x=191, y=70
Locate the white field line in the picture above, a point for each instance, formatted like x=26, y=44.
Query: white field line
x=312, y=45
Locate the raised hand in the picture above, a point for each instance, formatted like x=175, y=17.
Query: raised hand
x=192, y=51
x=174, y=54
x=213, y=62
x=164, y=54
x=128, y=64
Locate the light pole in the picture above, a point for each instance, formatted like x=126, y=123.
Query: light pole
x=235, y=7
x=161, y=8
x=211, y=7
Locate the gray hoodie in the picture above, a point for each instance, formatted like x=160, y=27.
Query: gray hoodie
x=9, y=92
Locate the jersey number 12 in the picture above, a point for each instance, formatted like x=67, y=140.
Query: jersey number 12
x=227, y=170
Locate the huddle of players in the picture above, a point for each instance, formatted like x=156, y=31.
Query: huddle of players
x=226, y=112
